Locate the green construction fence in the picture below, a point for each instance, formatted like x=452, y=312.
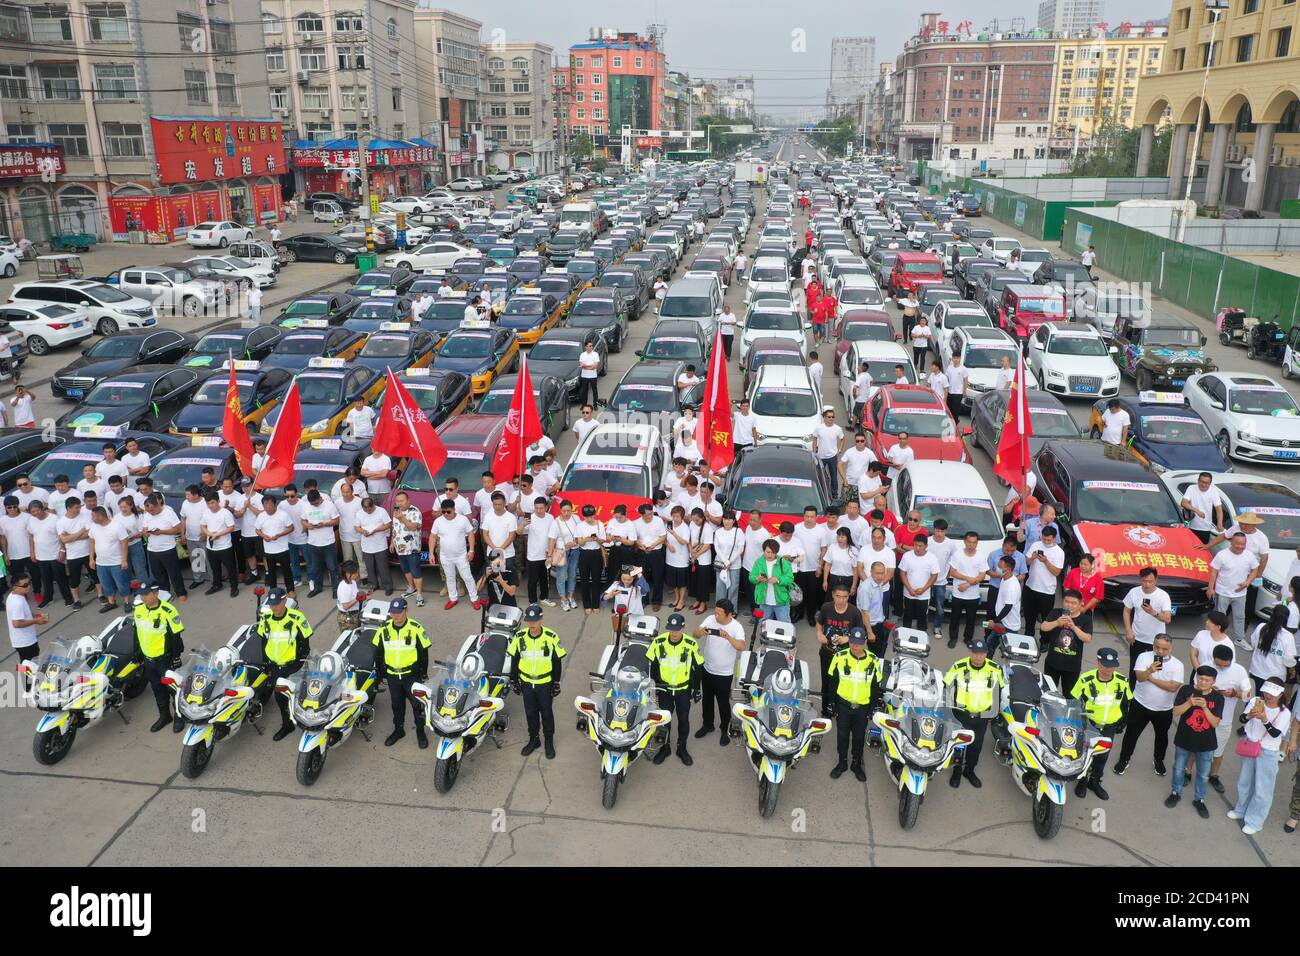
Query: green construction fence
x=1041, y=219
x=1199, y=280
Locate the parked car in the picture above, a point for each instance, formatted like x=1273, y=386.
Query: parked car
x=146, y=397
x=116, y=354
x=221, y=233
x=44, y=327
x=108, y=308
x=318, y=247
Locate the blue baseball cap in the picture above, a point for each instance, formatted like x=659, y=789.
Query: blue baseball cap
x=396, y=605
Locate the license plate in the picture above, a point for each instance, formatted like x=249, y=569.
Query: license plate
x=1086, y=388
x=149, y=322
x=1285, y=454
x=76, y=392
x=1180, y=382
x=79, y=325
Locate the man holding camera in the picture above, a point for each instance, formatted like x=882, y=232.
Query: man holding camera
x=498, y=585
x=1159, y=675
x=1064, y=632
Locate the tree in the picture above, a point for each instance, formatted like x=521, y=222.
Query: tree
x=581, y=146
x=1114, y=150
x=835, y=143
x=721, y=142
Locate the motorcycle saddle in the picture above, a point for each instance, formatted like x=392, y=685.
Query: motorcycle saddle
x=360, y=654
x=772, y=662
x=121, y=642
x=493, y=651
x=634, y=656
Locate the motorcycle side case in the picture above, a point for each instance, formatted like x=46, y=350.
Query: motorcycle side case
x=910, y=641
x=1019, y=647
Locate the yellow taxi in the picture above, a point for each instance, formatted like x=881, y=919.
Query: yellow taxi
x=562, y=284
x=481, y=350
x=327, y=389
x=531, y=313
x=260, y=391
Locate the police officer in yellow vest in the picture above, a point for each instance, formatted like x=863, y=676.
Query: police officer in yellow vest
x=535, y=654
x=978, y=694
x=158, y=644
x=675, y=663
x=284, y=632
x=1106, y=697
x=403, y=659
x=858, y=692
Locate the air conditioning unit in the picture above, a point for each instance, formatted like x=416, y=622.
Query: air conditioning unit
x=303, y=79
x=1236, y=153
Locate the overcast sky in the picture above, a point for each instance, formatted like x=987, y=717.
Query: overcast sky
x=719, y=37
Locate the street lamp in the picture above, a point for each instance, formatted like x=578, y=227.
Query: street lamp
x=1215, y=8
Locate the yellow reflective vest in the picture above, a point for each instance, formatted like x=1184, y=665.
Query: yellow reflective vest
x=858, y=676
x=1104, y=702
x=677, y=662
x=284, y=638
x=400, y=646
x=977, y=687
x=157, y=630
x=537, y=655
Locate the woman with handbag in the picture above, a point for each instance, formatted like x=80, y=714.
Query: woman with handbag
x=701, y=574
x=591, y=539
x=773, y=581
x=678, y=562
x=1266, y=721
x=564, y=555
x=728, y=555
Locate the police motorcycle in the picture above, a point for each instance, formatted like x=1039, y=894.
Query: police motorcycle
x=330, y=696
x=464, y=698
x=216, y=691
x=775, y=710
x=917, y=724
x=75, y=682
x=620, y=716
x=1041, y=734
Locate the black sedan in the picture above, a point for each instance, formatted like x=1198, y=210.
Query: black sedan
x=325, y=460
x=245, y=343
x=1050, y=419
x=333, y=309
x=396, y=279
x=22, y=448
x=71, y=453
x=652, y=387
x=602, y=309
x=260, y=390
x=556, y=353
x=778, y=480
x=176, y=470
x=372, y=314
x=397, y=349
x=550, y=393
x=969, y=271
x=631, y=281
x=116, y=353
x=318, y=247
x=677, y=340
x=147, y=397
x=441, y=393
x=300, y=346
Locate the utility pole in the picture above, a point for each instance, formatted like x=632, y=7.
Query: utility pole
x=363, y=140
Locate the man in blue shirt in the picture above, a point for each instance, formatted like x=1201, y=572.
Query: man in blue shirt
x=1009, y=550
x=1031, y=529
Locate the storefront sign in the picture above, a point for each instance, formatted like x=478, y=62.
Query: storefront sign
x=199, y=149
x=388, y=156
x=33, y=159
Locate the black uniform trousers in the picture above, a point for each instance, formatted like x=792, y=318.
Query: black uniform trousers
x=47, y=574
x=399, y=688
x=978, y=725
x=165, y=567
x=223, y=560
x=1139, y=718
x=851, y=723
x=1034, y=607
x=277, y=566
x=810, y=583
x=537, y=710
x=677, y=703
x=916, y=613
x=155, y=669
x=1099, y=762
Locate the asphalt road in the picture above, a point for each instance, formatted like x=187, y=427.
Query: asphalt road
x=119, y=797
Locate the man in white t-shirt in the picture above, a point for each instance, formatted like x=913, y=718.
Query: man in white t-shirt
x=828, y=442
x=499, y=528
x=742, y=425
x=26, y=493
x=22, y=620
x=1232, y=571
x=920, y=570
x=349, y=506
x=111, y=464
x=1046, y=560
x=1233, y=681
x=74, y=535
x=360, y=420
x=588, y=374
x=854, y=461
x=218, y=533
x=92, y=482
x=451, y=539
x=1006, y=606
x=273, y=527
x=1147, y=611
x=958, y=376
x=1115, y=423
x=42, y=527
x=587, y=424
x=320, y=520
x=162, y=526
x=861, y=392
x=721, y=638
x=137, y=462
x=375, y=469
x=966, y=569
x=1159, y=675
x=1202, y=502
x=900, y=456
x=374, y=524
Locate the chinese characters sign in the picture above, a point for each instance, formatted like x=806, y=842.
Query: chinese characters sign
x=30, y=160
x=387, y=156
x=205, y=148
x=1125, y=549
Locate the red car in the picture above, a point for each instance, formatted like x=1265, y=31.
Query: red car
x=1024, y=308
x=915, y=409
x=914, y=270
x=471, y=441
x=856, y=324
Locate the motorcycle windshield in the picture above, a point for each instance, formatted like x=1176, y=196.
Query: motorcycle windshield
x=1061, y=726
x=457, y=690
x=201, y=680
x=626, y=700
x=786, y=711
x=323, y=680
x=57, y=663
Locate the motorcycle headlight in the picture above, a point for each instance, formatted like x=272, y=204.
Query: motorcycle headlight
x=1061, y=766
x=195, y=711
x=450, y=725
x=919, y=755
x=781, y=746
x=617, y=738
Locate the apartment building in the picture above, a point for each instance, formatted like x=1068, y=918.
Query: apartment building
x=518, y=116
x=451, y=73
x=616, y=79
x=1097, y=80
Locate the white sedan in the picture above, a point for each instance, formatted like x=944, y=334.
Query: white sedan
x=47, y=326
x=466, y=184
x=1252, y=417
x=235, y=269
x=999, y=248
x=432, y=256
x=1073, y=360
x=882, y=359
x=219, y=234
x=411, y=205
x=766, y=320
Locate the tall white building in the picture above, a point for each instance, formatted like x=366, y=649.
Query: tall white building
x=853, y=62
x=1070, y=16
x=517, y=116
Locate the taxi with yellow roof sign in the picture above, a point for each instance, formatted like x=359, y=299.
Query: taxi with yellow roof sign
x=327, y=389
x=482, y=353
x=397, y=345
x=531, y=313
x=562, y=284
x=314, y=338
x=261, y=389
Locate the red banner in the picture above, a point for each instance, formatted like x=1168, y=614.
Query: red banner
x=232, y=425
x=129, y=214
x=1122, y=550
x=198, y=149
x=403, y=430
x=772, y=521
x=523, y=428
x=30, y=160
x=266, y=199
x=604, y=501
x=282, y=450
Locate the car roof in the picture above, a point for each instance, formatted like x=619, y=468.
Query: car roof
x=344, y=454
x=1096, y=459
x=777, y=460
x=1028, y=290
x=784, y=376
x=146, y=373
x=696, y=284
x=912, y=396
x=949, y=477
x=473, y=431
x=870, y=349
x=985, y=334
x=675, y=327
x=652, y=371
x=619, y=443
x=1247, y=378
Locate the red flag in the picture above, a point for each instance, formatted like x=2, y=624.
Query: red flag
x=1011, y=463
x=523, y=427
x=282, y=449
x=713, y=430
x=233, y=428
x=404, y=430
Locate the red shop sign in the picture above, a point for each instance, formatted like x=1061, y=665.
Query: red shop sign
x=29, y=160
x=205, y=148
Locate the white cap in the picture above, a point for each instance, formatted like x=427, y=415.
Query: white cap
x=1271, y=688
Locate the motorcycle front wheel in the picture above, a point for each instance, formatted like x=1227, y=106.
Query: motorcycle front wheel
x=767, y=796
x=1047, y=817
x=445, y=773
x=51, y=746
x=310, y=765
x=909, y=808
x=609, y=795
x=194, y=759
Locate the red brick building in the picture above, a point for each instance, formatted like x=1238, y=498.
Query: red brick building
x=614, y=79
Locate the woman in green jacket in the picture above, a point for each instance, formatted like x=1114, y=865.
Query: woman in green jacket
x=772, y=577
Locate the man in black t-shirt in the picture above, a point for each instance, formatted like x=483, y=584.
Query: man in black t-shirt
x=836, y=619
x=1064, y=632
x=498, y=585
x=1198, y=708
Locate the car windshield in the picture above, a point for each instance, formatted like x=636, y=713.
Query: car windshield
x=448, y=309
x=673, y=347
x=527, y=305
x=987, y=357
x=472, y=345
x=1071, y=272
x=688, y=306
x=113, y=347
x=497, y=401
x=374, y=310
x=868, y=332
x=1052, y=422
x=1281, y=522
x=962, y=514
x=776, y=494
x=1262, y=400
x=774, y=321
x=1074, y=344
x=465, y=466
x=1125, y=502
x=1173, y=337
x=608, y=479
x=387, y=346
x=919, y=423
x=622, y=280
x=1174, y=429
x=213, y=391
x=173, y=476
x=115, y=393
x=956, y=319
x=784, y=402
x=307, y=307
x=555, y=351
x=301, y=345
x=923, y=268
x=769, y=274
x=217, y=343
x=862, y=295
x=592, y=306
x=320, y=389
x=1052, y=307
x=645, y=397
